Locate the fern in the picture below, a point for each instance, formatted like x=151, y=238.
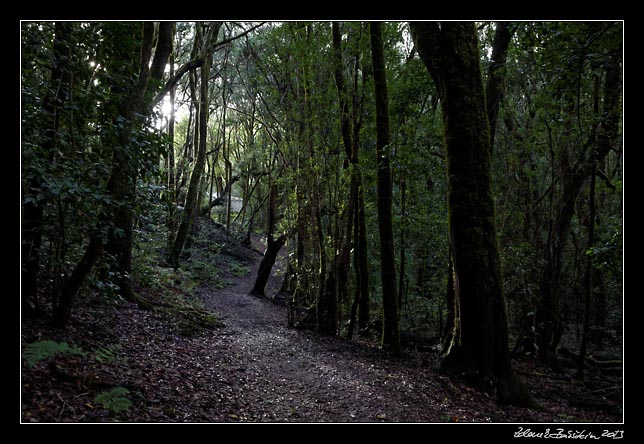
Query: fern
x=106, y=355
x=37, y=351
x=114, y=400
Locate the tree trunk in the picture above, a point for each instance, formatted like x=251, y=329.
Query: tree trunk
x=343, y=261
x=549, y=320
x=63, y=310
x=450, y=300
x=272, y=249
x=327, y=305
x=588, y=276
x=361, y=258
x=32, y=216
x=600, y=308
x=343, y=102
x=266, y=265
x=219, y=201
x=324, y=306
x=362, y=265
x=390, y=333
x=325, y=318
x=122, y=188
x=225, y=150
x=495, y=87
x=170, y=164
x=350, y=130
x=401, y=278
x=478, y=352
x=122, y=183
x=360, y=304
x=195, y=179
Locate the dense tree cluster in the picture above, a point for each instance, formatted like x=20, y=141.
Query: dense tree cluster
x=462, y=179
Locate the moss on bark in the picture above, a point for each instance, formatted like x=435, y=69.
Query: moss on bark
x=478, y=352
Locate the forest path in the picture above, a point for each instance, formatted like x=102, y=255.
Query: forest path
x=285, y=374
x=256, y=369
x=263, y=371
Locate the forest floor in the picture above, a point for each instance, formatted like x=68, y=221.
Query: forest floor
x=254, y=368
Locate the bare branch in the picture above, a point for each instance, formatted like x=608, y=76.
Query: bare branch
x=199, y=60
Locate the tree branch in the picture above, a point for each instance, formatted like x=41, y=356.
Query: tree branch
x=195, y=63
x=205, y=210
x=162, y=51
x=427, y=39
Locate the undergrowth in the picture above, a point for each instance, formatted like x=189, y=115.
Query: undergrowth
x=174, y=291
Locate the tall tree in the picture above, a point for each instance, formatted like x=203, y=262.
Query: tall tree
x=342, y=261
x=478, y=350
x=131, y=100
x=170, y=159
x=600, y=141
x=135, y=103
x=390, y=329
x=361, y=260
x=588, y=275
x=191, y=205
x=495, y=87
x=32, y=218
x=350, y=130
x=494, y=93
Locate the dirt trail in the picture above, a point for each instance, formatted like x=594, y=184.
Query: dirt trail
x=257, y=369
x=294, y=375
x=253, y=369
x=288, y=375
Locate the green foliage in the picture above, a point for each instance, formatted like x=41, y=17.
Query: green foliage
x=70, y=128
x=38, y=351
x=239, y=270
x=106, y=355
x=546, y=129
x=283, y=129
x=607, y=256
x=114, y=400
x=172, y=291
x=205, y=271
x=448, y=418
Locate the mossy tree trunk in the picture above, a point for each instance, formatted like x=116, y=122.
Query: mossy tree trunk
x=478, y=351
x=361, y=263
x=69, y=292
x=361, y=258
x=350, y=124
x=390, y=330
x=122, y=183
x=342, y=261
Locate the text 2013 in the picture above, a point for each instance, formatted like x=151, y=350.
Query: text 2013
x=567, y=434
x=613, y=434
